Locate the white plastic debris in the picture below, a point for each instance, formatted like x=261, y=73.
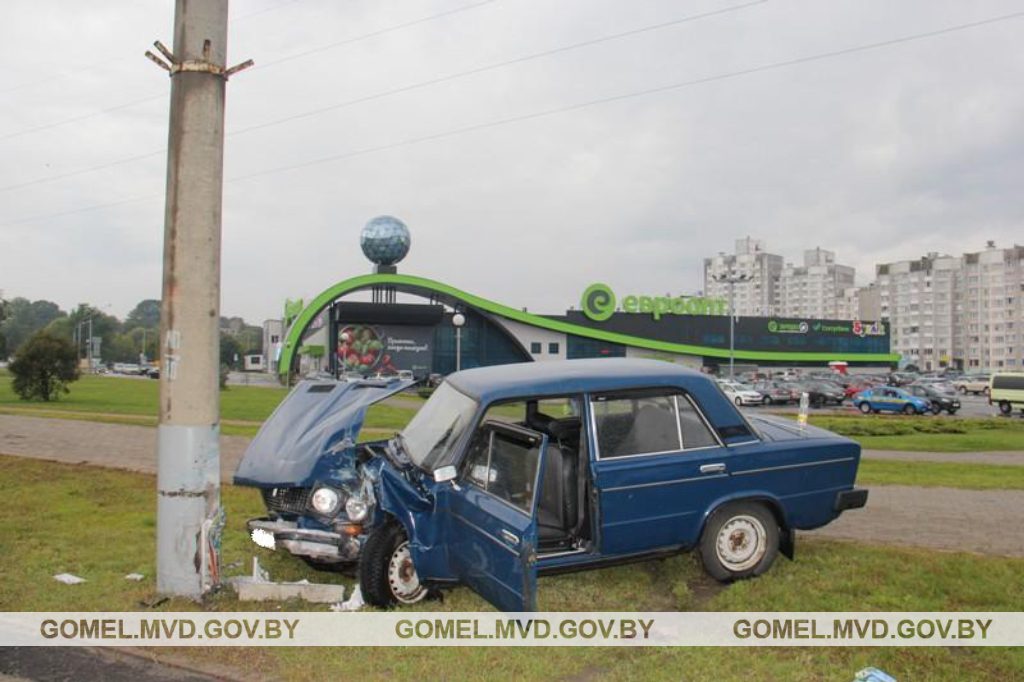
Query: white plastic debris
x=263, y=538
x=259, y=575
x=137, y=577
x=68, y=579
x=353, y=603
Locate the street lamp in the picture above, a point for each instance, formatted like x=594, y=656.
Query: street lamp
x=458, y=320
x=731, y=278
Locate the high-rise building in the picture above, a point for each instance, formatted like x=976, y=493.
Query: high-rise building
x=991, y=309
x=815, y=289
x=918, y=298
x=756, y=294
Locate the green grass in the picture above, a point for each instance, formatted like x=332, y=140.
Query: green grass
x=940, y=474
x=120, y=400
x=924, y=434
x=100, y=524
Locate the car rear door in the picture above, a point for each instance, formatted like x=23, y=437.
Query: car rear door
x=492, y=515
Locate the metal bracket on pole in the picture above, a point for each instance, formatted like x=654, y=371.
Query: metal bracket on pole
x=194, y=65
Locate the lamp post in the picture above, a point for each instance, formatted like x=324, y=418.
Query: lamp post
x=731, y=278
x=458, y=320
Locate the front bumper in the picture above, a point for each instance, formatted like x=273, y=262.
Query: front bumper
x=308, y=542
x=851, y=499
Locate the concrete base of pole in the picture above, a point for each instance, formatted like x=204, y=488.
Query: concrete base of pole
x=188, y=493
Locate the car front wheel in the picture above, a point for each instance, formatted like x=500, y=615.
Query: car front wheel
x=936, y=408
x=740, y=540
x=1005, y=407
x=387, y=575
x=739, y=402
x=865, y=408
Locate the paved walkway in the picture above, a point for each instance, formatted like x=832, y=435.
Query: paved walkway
x=990, y=521
x=1010, y=457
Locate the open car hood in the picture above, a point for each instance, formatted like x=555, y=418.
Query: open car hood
x=319, y=417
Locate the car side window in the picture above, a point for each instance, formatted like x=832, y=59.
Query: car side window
x=695, y=432
x=647, y=422
x=503, y=463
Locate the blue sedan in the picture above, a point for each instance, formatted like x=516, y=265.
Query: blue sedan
x=546, y=467
x=888, y=399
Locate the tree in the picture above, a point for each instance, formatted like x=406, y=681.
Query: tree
x=146, y=315
x=229, y=349
x=43, y=367
x=25, y=318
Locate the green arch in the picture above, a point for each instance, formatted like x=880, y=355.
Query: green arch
x=421, y=285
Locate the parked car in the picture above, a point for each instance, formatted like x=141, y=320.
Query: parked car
x=940, y=400
x=890, y=399
x=510, y=471
x=741, y=394
x=940, y=384
x=1007, y=391
x=901, y=378
x=973, y=383
x=776, y=392
x=821, y=394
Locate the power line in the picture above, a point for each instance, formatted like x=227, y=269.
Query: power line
x=637, y=93
x=297, y=55
x=407, y=88
x=491, y=67
x=563, y=109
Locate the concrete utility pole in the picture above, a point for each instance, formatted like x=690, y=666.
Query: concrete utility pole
x=189, y=515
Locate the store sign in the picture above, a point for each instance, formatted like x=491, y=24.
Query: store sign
x=384, y=348
x=855, y=328
x=599, y=303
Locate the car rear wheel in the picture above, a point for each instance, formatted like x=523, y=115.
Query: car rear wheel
x=767, y=400
x=936, y=408
x=963, y=390
x=1005, y=407
x=865, y=408
x=985, y=391
x=738, y=401
x=387, y=575
x=740, y=540
x=909, y=409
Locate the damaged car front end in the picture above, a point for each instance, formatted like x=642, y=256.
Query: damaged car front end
x=316, y=482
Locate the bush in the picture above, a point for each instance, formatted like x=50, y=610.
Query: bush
x=43, y=367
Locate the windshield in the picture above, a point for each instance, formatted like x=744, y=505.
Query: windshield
x=437, y=426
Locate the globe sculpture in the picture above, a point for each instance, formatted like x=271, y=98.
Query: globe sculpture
x=385, y=240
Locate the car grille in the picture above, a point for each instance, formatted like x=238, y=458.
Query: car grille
x=286, y=500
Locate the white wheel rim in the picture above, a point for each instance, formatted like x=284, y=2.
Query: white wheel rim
x=405, y=584
x=741, y=543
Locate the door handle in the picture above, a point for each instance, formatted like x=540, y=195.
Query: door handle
x=716, y=468
x=510, y=537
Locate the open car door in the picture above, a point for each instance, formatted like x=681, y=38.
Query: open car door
x=492, y=532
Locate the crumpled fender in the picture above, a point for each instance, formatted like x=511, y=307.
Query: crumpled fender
x=417, y=511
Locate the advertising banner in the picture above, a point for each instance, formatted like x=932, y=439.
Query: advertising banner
x=384, y=348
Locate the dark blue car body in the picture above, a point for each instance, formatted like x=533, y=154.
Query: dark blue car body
x=458, y=521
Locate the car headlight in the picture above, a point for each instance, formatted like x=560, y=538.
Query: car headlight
x=356, y=508
x=325, y=501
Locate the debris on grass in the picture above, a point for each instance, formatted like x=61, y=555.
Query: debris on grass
x=259, y=587
x=354, y=603
x=68, y=579
x=136, y=577
x=872, y=675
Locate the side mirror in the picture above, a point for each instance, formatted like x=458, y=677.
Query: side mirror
x=445, y=473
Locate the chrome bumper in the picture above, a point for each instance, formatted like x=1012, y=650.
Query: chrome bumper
x=308, y=542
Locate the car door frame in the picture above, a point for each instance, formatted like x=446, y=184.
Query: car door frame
x=493, y=543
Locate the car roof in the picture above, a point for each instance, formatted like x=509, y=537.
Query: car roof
x=563, y=377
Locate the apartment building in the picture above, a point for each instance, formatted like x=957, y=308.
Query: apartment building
x=991, y=309
x=816, y=289
x=756, y=295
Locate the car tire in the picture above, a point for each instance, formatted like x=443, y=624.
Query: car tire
x=951, y=411
x=386, y=574
x=963, y=390
x=865, y=408
x=767, y=400
x=909, y=410
x=740, y=540
x=1005, y=407
x=739, y=402
x=936, y=408
x=986, y=391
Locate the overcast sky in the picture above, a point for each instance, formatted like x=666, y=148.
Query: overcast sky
x=879, y=155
